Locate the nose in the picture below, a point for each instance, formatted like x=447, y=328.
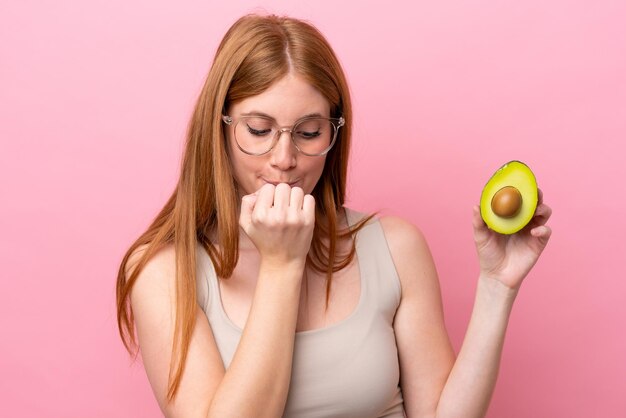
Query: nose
x=283, y=155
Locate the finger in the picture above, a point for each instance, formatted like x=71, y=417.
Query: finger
x=308, y=207
x=265, y=196
x=539, y=197
x=281, y=195
x=247, y=206
x=542, y=232
x=542, y=214
x=297, y=197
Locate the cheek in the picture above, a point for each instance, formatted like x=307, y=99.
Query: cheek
x=315, y=169
x=242, y=168
x=244, y=171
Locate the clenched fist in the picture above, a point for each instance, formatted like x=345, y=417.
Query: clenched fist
x=279, y=221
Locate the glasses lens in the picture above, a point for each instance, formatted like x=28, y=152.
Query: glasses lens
x=254, y=135
x=314, y=136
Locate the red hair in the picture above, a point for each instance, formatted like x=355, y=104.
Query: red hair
x=255, y=52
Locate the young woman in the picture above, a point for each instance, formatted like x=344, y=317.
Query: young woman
x=256, y=293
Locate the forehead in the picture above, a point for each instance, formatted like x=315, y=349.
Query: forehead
x=287, y=100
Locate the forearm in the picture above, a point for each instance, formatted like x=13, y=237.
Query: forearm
x=257, y=381
x=469, y=387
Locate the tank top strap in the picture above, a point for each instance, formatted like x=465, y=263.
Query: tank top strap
x=206, y=281
x=379, y=278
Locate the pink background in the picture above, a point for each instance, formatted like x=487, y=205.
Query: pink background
x=94, y=102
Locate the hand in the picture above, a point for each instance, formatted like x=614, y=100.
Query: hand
x=279, y=221
x=509, y=258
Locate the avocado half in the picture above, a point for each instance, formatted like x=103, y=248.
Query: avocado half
x=509, y=198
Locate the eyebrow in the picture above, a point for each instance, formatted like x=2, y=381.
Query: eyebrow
x=257, y=113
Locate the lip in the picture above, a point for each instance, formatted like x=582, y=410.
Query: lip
x=289, y=183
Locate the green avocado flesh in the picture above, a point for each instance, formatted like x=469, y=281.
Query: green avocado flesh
x=509, y=198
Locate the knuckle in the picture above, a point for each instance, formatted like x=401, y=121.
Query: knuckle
x=292, y=222
x=258, y=216
x=277, y=217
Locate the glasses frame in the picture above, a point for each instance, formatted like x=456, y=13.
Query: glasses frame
x=336, y=122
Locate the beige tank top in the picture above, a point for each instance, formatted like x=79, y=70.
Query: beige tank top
x=349, y=369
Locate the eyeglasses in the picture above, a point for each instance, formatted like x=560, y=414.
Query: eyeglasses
x=312, y=136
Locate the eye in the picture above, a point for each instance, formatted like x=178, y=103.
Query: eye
x=258, y=126
x=310, y=129
x=308, y=135
x=258, y=132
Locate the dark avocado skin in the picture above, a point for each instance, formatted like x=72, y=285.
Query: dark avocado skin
x=512, y=174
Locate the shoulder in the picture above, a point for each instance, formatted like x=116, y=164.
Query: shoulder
x=402, y=235
x=163, y=257
x=410, y=253
x=157, y=276
x=406, y=242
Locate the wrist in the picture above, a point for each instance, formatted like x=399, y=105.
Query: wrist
x=496, y=289
x=280, y=266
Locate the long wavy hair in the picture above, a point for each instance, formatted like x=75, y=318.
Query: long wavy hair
x=255, y=52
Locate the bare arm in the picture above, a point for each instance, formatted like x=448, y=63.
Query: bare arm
x=434, y=383
x=154, y=308
x=472, y=380
x=425, y=353
x=257, y=381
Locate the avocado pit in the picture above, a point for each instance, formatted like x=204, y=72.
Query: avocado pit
x=506, y=202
